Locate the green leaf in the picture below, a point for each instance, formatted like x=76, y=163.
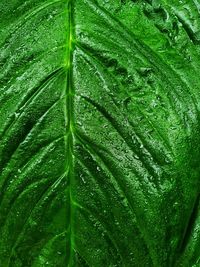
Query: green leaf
x=99, y=133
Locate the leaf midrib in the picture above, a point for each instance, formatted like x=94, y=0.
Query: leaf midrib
x=69, y=126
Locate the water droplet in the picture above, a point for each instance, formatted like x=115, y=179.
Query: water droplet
x=16, y=114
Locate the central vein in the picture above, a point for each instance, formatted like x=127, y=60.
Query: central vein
x=68, y=110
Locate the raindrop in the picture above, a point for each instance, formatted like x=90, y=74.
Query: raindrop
x=16, y=114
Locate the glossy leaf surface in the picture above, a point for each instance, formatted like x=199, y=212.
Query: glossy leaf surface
x=99, y=133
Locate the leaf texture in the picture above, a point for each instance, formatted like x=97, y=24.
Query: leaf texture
x=99, y=133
